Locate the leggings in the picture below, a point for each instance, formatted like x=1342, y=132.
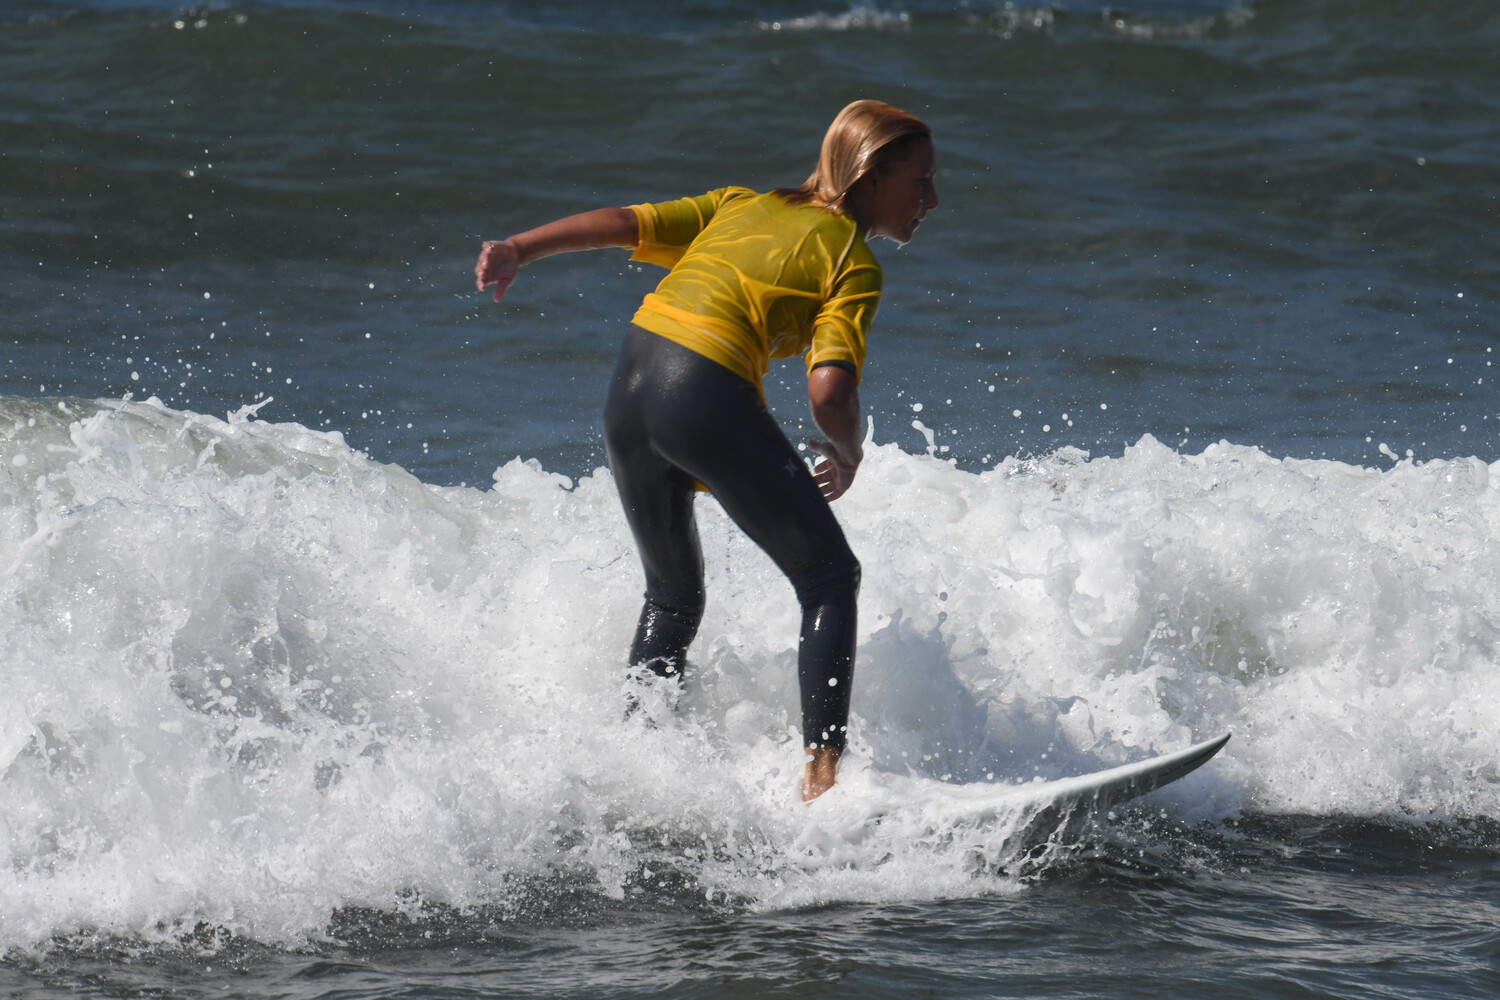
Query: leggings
x=673, y=417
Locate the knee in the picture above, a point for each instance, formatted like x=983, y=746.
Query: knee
x=835, y=579
x=849, y=575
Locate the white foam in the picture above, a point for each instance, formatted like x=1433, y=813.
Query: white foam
x=252, y=676
x=856, y=18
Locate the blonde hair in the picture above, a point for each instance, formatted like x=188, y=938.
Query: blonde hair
x=865, y=136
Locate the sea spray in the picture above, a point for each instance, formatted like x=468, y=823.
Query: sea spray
x=254, y=679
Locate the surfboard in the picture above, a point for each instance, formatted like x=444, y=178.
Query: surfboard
x=1099, y=790
x=1034, y=812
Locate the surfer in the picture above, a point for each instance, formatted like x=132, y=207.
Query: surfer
x=752, y=277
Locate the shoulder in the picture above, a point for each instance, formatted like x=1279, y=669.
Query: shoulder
x=727, y=195
x=723, y=202
x=831, y=225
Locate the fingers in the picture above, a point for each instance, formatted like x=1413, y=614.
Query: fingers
x=833, y=472
x=833, y=478
x=486, y=254
x=822, y=475
x=501, y=284
x=497, y=266
x=830, y=472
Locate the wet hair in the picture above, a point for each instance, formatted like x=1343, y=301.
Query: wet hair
x=865, y=136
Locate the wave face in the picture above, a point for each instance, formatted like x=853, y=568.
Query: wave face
x=254, y=679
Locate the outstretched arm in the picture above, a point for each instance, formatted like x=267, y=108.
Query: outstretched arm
x=833, y=395
x=499, y=260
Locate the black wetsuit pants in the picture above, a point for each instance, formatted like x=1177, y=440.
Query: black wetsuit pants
x=674, y=416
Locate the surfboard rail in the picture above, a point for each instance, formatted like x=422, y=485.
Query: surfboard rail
x=1053, y=802
x=1129, y=781
x=1024, y=815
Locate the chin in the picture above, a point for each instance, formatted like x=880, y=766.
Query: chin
x=900, y=238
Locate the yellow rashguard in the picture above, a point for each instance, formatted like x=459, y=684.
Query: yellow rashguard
x=755, y=278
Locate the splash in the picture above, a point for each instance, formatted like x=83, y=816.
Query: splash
x=856, y=18
x=254, y=679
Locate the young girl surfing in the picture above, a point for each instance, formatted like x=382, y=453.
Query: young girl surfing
x=752, y=277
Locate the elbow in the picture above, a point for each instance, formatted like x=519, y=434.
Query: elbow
x=831, y=390
x=833, y=398
x=627, y=227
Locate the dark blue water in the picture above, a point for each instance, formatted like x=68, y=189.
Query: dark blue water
x=1270, y=224
x=1162, y=226
x=1304, y=909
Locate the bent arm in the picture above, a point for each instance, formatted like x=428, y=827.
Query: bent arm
x=833, y=396
x=499, y=260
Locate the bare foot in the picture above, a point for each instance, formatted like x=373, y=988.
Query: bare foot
x=822, y=765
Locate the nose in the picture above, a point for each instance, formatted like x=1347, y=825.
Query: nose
x=932, y=199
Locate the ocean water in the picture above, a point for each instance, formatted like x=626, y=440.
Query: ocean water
x=314, y=589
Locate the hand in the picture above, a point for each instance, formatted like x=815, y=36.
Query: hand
x=834, y=471
x=499, y=260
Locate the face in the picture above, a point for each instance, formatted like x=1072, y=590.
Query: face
x=894, y=203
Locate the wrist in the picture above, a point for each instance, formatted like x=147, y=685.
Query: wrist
x=524, y=254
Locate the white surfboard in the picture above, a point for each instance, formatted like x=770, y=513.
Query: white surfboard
x=1031, y=812
x=1095, y=792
